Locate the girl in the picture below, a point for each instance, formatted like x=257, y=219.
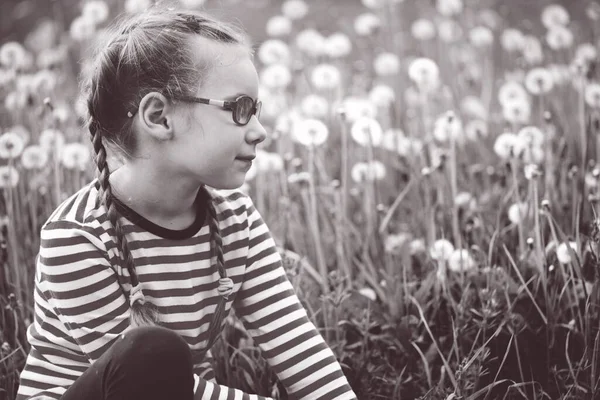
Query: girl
x=137, y=271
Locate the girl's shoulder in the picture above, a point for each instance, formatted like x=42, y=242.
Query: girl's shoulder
x=81, y=208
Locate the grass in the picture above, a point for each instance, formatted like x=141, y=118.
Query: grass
x=508, y=311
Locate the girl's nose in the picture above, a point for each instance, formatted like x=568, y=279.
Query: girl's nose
x=256, y=132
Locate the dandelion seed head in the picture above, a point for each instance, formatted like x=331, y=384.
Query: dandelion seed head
x=532, y=50
x=531, y=171
x=386, y=64
x=510, y=91
x=554, y=15
x=82, y=28
x=9, y=176
x=278, y=26
x=416, y=246
x=472, y=106
x=358, y=107
x=52, y=140
x=539, y=81
x=311, y=42
x=476, y=129
x=276, y=76
x=465, y=200
x=338, y=45
x=563, y=254
x=274, y=51
x=517, y=111
x=368, y=293
x=13, y=55
x=512, y=40
x=586, y=52
x=268, y=162
x=460, y=260
x=11, y=145
x=559, y=37
x=326, y=76
x=366, y=24
x=382, y=95
x=447, y=127
x=425, y=73
x=481, y=36
x=517, y=212
x=592, y=94
x=449, y=31
x=449, y=8
x=310, y=132
x=95, y=10
x=368, y=171
x=395, y=243
x=294, y=9
x=75, y=156
x=34, y=157
x=423, y=29
x=545, y=203
x=441, y=250
x=314, y=106
x=367, y=132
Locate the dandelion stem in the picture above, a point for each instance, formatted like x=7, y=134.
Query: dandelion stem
x=513, y=170
x=315, y=219
x=340, y=240
x=454, y=191
x=344, y=172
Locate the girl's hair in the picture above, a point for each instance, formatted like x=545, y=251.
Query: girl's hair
x=146, y=53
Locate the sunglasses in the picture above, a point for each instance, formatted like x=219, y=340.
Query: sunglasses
x=242, y=109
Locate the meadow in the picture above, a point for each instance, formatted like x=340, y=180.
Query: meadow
x=430, y=177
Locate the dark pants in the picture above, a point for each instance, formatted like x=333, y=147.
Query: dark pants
x=144, y=363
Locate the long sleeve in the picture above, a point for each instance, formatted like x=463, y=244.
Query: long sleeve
x=79, y=309
x=80, y=312
x=277, y=321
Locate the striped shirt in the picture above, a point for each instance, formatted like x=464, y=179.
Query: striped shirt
x=81, y=293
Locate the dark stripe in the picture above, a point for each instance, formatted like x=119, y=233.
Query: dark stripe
x=45, y=371
x=336, y=392
x=318, y=384
x=263, y=286
x=73, y=275
x=79, y=214
x=68, y=205
x=64, y=241
x=313, y=368
x=234, y=228
x=262, y=270
x=70, y=258
x=276, y=333
x=88, y=307
x=94, y=287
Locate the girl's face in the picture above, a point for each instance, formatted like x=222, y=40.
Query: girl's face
x=208, y=145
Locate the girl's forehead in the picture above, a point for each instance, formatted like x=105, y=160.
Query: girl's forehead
x=226, y=68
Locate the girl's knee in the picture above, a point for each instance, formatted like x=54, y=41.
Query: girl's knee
x=154, y=344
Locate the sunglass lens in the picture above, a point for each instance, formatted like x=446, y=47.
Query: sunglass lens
x=258, y=109
x=243, y=109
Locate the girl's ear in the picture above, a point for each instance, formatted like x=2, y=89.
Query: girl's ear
x=155, y=116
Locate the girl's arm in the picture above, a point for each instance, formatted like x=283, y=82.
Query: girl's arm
x=81, y=310
x=277, y=321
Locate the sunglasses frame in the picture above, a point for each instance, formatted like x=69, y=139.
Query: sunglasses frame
x=226, y=105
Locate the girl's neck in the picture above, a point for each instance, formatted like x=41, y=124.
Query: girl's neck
x=164, y=200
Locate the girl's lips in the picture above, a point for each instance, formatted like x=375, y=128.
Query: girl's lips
x=247, y=163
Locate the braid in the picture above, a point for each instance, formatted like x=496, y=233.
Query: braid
x=142, y=312
x=225, y=286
